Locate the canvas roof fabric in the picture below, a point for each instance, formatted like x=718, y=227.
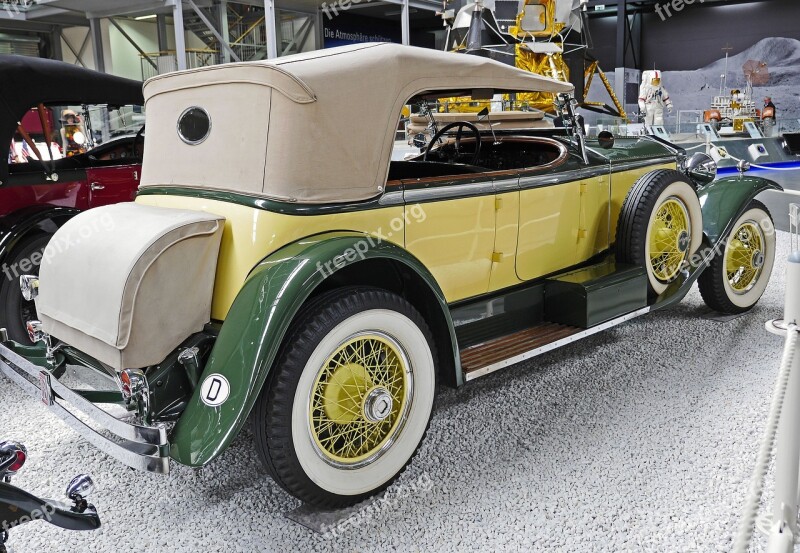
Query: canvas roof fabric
x=312, y=128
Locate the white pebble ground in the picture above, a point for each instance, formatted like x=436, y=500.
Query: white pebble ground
x=641, y=438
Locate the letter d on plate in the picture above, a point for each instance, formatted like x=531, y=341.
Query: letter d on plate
x=215, y=390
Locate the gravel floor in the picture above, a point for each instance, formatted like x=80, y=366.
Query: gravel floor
x=641, y=438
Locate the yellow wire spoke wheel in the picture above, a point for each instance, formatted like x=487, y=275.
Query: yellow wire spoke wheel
x=670, y=236
x=744, y=257
x=737, y=277
x=360, y=400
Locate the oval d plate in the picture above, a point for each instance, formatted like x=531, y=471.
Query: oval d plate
x=215, y=390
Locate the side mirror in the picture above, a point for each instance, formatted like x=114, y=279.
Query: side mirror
x=701, y=168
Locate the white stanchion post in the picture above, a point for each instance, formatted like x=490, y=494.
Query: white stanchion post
x=787, y=455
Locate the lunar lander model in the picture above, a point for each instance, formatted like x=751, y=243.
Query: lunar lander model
x=738, y=107
x=534, y=35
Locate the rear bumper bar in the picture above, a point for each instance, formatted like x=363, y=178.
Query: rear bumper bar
x=144, y=448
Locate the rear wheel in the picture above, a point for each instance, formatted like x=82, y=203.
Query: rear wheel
x=660, y=226
x=349, y=399
x=15, y=311
x=737, y=277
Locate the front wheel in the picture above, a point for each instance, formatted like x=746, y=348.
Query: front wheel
x=660, y=226
x=349, y=399
x=737, y=276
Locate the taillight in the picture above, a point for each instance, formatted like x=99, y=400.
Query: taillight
x=18, y=464
x=125, y=381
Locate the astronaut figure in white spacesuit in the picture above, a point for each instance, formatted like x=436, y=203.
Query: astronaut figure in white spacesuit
x=653, y=98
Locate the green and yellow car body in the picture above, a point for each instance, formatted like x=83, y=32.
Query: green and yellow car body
x=472, y=253
x=467, y=249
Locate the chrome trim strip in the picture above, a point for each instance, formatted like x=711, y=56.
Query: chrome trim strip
x=391, y=198
x=449, y=192
x=140, y=447
x=506, y=185
x=554, y=345
x=626, y=165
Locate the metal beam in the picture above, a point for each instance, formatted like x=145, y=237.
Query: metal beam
x=304, y=30
x=161, y=31
x=224, y=28
x=180, y=34
x=55, y=44
x=622, y=30
x=133, y=43
x=222, y=42
x=78, y=55
x=17, y=23
x=96, y=31
x=431, y=5
x=271, y=21
x=405, y=22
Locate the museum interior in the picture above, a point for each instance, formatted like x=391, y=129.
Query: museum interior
x=453, y=275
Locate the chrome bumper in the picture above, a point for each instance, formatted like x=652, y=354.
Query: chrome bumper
x=141, y=447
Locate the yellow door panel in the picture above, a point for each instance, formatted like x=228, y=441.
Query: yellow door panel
x=549, y=225
x=455, y=241
x=504, y=273
x=621, y=183
x=594, y=236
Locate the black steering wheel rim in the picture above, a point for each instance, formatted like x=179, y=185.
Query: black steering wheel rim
x=461, y=125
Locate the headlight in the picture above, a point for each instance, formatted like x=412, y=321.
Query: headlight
x=701, y=168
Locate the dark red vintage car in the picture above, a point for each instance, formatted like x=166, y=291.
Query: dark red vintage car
x=74, y=141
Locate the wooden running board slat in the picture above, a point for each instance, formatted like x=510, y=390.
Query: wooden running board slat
x=482, y=355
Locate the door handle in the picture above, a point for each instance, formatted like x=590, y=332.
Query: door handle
x=97, y=186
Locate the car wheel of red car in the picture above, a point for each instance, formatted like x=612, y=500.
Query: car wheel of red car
x=738, y=275
x=349, y=400
x=14, y=310
x=660, y=227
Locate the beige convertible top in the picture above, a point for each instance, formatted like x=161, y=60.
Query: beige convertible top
x=309, y=128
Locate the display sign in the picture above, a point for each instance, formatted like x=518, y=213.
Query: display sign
x=354, y=29
x=752, y=130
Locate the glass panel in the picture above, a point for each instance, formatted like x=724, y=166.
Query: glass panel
x=297, y=32
x=74, y=129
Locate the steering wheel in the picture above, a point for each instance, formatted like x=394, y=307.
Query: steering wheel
x=136, y=141
x=460, y=125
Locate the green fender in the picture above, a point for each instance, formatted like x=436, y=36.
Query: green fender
x=254, y=329
x=721, y=201
x=725, y=199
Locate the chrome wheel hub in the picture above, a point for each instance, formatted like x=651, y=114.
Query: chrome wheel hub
x=683, y=241
x=378, y=405
x=758, y=259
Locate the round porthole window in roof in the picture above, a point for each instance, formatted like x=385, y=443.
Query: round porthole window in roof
x=194, y=125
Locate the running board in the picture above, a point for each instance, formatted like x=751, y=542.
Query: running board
x=505, y=351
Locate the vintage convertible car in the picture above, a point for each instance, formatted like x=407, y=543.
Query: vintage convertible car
x=71, y=143
x=278, y=266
